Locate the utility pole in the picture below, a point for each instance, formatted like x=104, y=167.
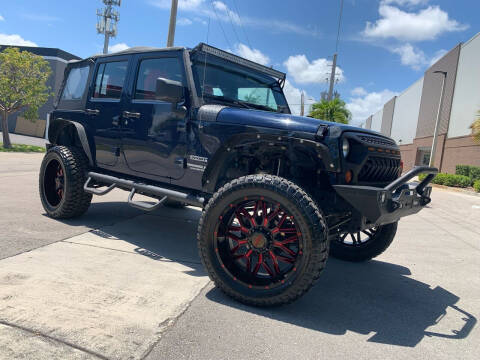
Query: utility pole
x=173, y=22
x=435, y=132
x=332, y=77
x=107, y=19
x=302, y=104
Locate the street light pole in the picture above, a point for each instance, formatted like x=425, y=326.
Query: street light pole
x=440, y=105
x=173, y=22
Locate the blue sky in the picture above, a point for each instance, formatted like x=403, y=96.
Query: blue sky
x=385, y=45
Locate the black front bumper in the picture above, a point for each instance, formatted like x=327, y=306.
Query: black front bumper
x=398, y=199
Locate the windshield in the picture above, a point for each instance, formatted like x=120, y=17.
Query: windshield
x=219, y=80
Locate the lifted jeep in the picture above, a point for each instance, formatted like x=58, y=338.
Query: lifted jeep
x=207, y=128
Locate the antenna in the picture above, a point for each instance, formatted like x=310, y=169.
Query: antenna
x=107, y=19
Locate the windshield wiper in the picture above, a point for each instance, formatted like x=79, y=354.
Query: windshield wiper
x=228, y=100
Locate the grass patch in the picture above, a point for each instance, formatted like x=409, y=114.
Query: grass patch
x=22, y=148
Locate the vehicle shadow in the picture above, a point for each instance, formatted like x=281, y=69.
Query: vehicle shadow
x=368, y=297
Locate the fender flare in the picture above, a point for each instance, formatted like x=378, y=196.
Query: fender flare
x=58, y=125
x=286, y=143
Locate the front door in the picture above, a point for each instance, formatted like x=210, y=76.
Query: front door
x=104, y=108
x=154, y=131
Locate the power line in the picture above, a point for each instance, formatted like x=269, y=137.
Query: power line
x=231, y=22
x=241, y=24
x=221, y=26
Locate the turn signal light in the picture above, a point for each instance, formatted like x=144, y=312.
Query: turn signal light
x=348, y=176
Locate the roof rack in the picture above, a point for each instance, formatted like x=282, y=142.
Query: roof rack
x=240, y=60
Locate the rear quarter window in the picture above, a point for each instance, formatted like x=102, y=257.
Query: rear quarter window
x=76, y=83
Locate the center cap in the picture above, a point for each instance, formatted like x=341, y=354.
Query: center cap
x=258, y=240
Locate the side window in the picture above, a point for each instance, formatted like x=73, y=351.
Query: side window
x=152, y=69
x=110, y=79
x=76, y=83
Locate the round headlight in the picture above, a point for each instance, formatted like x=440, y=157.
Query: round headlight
x=345, y=147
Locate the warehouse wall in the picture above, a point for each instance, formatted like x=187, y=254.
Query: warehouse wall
x=368, y=124
x=387, y=117
x=432, y=87
x=466, y=100
x=405, y=116
x=377, y=120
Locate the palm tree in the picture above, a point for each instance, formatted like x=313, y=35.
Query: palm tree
x=476, y=128
x=333, y=110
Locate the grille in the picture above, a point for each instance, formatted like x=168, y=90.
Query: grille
x=378, y=169
x=374, y=140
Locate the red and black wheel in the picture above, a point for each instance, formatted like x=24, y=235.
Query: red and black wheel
x=363, y=245
x=263, y=240
x=62, y=175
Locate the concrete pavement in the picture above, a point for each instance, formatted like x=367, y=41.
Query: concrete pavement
x=121, y=284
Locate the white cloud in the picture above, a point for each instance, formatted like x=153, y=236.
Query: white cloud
x=364, y=106
x=41, y=17
x=2, y=18
x=305, y=72
x=251, y=54
x=118, y=47
x=294, y=96
x=359, y=91
x=410, y=56
x=184, y=22
x=14, y=39
x=427, y=24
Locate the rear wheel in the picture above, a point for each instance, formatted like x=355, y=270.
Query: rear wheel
x=262, y=240
x=363, y=245
x=62, y=175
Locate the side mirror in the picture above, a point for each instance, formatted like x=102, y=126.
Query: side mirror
x=169, y=90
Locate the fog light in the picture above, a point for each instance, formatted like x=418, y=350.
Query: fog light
x=345, y=147
x=348, y=176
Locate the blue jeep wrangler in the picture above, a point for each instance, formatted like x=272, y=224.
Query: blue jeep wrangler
x=206, y=128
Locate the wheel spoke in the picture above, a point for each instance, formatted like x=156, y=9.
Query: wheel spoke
x=275, y=262
x=259, y=263
x=284, y=248
x=285, y=259
x=289, y=240
x=353, y=238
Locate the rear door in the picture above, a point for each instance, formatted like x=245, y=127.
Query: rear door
x=154, y=131
x=104, y=106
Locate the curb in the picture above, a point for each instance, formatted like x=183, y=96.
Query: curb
x=455, y=189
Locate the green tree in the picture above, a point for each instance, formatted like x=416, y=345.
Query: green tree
x=23, y=78
x=476, y=128
x=334, y=110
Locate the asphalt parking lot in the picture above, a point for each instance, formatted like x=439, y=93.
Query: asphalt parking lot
x=121, y=284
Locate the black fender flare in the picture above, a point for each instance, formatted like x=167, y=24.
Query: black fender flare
x=289, y=144
x=56, y=128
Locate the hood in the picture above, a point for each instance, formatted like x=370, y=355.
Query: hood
x=280, y=121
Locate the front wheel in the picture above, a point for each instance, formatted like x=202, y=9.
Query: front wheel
x=363, y=245
x=263, y=240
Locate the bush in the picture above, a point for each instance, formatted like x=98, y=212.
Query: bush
x=476, y=185
x=474, y=173
x=466, y=170
x=450, y=180
x=462, y=170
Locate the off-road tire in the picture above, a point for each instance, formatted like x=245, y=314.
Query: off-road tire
x=379, y=242
x=310, y=220
x=75, y=200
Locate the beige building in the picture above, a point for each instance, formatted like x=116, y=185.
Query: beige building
x=410, y=117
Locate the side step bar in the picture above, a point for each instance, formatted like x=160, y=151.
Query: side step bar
x=145, y=189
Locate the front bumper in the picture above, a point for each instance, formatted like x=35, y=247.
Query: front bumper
x=398, y=199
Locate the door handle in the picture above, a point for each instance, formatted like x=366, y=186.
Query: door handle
x=92, y=111
x=131, y=115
